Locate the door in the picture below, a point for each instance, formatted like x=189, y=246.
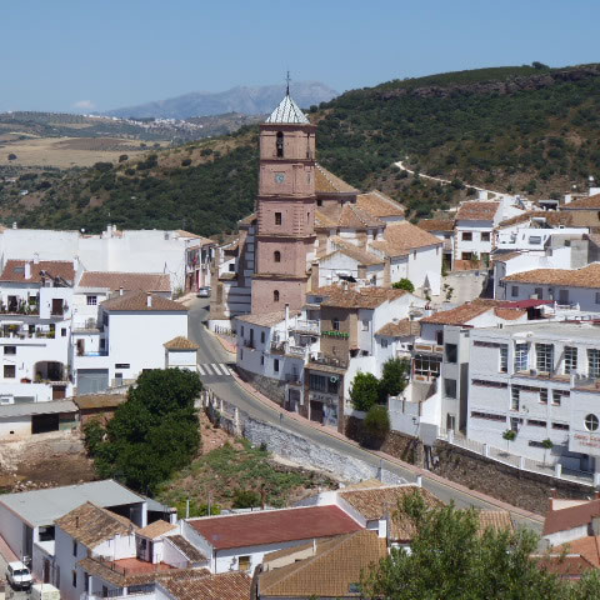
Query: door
x=59, y=392
x=46, y=571
x=91, y=381
x=44, y=423
x=57, y=307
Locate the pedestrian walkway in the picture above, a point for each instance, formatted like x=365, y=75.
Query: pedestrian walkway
x=214, y=369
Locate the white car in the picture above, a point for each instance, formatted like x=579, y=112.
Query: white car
x=18, y=576
x=203, y=292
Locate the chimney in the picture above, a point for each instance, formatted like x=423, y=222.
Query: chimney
x=121, y=291
x=75, y=263
x=149, y=300
x=27, y=270
x=36, y=258
x=14, y=225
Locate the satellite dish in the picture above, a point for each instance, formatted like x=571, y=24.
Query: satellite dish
x=333, y=379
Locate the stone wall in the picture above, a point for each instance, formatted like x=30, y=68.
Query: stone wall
x=271, y=388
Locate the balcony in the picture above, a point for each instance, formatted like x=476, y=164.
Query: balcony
x=307, y=327
x=288, y=349
x=548, y=375
x=329, y=361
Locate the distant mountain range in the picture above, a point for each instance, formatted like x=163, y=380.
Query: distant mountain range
x=245, y=100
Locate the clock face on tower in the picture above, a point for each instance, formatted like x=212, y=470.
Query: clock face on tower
x=279, y=177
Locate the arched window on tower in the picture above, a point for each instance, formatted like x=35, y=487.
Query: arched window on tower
x=279, y=144
x=276, y=296
x=277, y=256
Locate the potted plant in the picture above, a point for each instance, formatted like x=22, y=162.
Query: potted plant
x=509, y=435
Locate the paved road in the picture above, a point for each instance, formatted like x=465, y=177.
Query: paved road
x=225, y=386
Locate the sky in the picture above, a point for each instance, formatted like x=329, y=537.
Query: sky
x=84, y=56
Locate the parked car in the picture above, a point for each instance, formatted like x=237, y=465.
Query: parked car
x=203, y=292
x=18, y=576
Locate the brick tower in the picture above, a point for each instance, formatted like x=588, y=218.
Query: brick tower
x=285, y=209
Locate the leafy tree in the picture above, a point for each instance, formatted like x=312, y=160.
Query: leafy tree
x=547, y=445
x=404, y=284
x=394, y=377
x=365, y=391
x=103, y=167
x=377, y=423
x=152, y=434
x=510, y=435
x=246, y=499
x=450, y=559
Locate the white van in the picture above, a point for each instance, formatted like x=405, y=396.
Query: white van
x=18, y=576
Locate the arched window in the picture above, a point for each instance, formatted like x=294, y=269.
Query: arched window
x=276, y=296
x=279, y=144
x=277, y=256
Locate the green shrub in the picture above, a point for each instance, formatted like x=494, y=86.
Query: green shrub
x=365, y=391
x=404, y=284
x=377, y=423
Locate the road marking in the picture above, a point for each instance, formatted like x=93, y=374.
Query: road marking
x=201, y=369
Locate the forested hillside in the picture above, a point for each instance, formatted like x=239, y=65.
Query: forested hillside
x=522, y=129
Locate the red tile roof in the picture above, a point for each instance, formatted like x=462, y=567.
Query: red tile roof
x=436, y=224
x=199, y=586
x=589, y=203
x=477, y=211
x=568, y=518
x=14, y=270
x=274, y=526
x=138, y=301
x=148, y=282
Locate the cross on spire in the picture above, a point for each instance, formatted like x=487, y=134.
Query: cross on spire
x=287, y=81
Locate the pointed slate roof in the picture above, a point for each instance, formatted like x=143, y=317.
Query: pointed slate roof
x=288, y=113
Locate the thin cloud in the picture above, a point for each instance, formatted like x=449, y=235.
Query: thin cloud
x=84, y=105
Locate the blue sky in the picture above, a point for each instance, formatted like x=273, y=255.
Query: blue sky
x=67, y=55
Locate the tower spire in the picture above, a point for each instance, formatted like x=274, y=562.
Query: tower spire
x=287, y=81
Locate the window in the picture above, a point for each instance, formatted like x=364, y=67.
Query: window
x=427, y=365
x=515, y=398
x=535, y=240
x=560, y=426
x=122, y=366
x=439, y=337
x=263, y=337
x=557, y=396
x=276, y=365
x=92, y=300
x=543, y=396
x=597, y=297
x=10, y=349
x=514, y=291
x=232, y=267
x=278, y=218
x=536, y=423
x=539, y=293
x=570, y=359
x=279, y=144
x=488, y=416
x=321, y=383
x=335, y=323
x=384, y=343
x=74, y=577
x=86, y=582
x=487, y=383
x=544, y=357
x=244, y=562
x=10, y=371
x=450, y=388
x=591, y=422
x=594, y=363
x=262, y=361
x=365, y=325
x=485, y=236
x=521, y=357
x=467, y=236
x=467, y=256
x=277, y=256
x=452, y=353
x=63, y=332
x=563, y=296
x=74, y=548
x=242, y=331
x=276, y=296
x=504, y=358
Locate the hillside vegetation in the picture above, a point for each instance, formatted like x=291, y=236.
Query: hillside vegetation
x=517, y=129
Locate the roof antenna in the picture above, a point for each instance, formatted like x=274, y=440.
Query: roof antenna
x=287, y=80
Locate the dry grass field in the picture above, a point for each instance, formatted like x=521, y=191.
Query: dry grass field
x=65, y=152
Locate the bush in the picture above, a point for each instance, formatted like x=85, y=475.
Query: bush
x=186, y=163
x=404, y=284
x=93, y=432
x=123, y=158
x=377, y=423
x=103, y=167
x=12, y=157
x=394, y=377
x=365, y=391
x=246, y=499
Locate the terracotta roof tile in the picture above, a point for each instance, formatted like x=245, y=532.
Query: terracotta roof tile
x=191, y=552
x=353, y=217
x=400, y=328
x=401, y=238
x=586, y=277
x=249, y=220
x=138, y=301
x=588, y=547
x=14, y=270
x=91, y=525
x=360, y=254
x=553, y=218
x=273, y=526
x=566, y=567
x=591, y=202
x=379, y=205
x=113, y=281
x=436, y=224
x=332, y=570
x=461, y=315
x=368, y=297
x=181, y=343
x=225, y=586
x=573, y=516
x=267, y=319
x=322, y=219
x=156, y=529
x=473, y=210
x=495, y=519
x=328, y=183
x=91, y=401
x=509, y=314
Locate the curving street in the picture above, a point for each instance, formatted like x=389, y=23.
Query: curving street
x=213, y=360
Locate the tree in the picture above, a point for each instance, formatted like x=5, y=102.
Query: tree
x=154, y=433
x=377, y=423
x=451, y=559
x=547, y=445
x=365, y=391
x=509, y=435
x=404, y=284
x=394, y=377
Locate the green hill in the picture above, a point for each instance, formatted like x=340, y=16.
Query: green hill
x=521, y=129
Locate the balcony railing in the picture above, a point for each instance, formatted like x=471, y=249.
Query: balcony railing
x=330, y=361
x=289, y=349
x=311, y=327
